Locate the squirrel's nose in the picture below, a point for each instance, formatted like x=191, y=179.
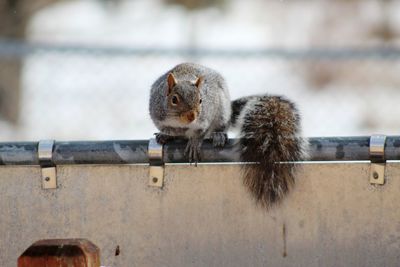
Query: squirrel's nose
x=188, y=117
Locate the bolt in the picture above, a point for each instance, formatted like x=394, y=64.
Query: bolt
x=375, y=175
x=47, y=179
x=155, y=179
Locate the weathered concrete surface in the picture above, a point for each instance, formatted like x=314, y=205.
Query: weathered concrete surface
x=204, y=217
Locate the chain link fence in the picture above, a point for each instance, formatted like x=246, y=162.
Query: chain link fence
x=69, y=92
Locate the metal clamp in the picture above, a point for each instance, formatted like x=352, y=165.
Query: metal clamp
x=156, y=170
x=378, y=161
x=45, y=154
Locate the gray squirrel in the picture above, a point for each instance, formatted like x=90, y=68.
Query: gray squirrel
x=193, y=101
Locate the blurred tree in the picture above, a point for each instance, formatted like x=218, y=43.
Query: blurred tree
x=197, y=4
x=193, y=22
x=14, y=17
x=345, y=23
x=110, y=3
x=385, y=30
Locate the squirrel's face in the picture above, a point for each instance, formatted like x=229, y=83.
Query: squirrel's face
x=184, y=99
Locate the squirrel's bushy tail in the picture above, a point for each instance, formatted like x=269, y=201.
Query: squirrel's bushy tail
x=270, y=138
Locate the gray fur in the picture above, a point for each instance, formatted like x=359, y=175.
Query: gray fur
x=270, y=134
x=213, y=93
x=269, y=127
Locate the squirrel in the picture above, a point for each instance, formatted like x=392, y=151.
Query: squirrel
x=193, y=101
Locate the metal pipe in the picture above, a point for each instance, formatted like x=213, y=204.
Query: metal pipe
x=135, y=152
x=13, y=47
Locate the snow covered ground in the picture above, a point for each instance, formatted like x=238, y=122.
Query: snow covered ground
x=75, y=96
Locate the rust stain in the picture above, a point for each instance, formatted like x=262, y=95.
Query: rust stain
x=61, y=252
x=284, y=254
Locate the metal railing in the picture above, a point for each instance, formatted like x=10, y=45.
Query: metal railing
x=136, y=151
x=11, y=47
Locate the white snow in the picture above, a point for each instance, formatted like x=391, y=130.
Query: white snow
x=70, y=96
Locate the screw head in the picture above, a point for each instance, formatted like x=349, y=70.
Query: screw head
x=47, y=179
x=155, y=180
x=375, y=175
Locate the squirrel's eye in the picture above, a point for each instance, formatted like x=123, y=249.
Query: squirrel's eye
x=174, y=100
x=200, y=101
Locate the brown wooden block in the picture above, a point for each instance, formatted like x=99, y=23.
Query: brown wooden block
x=61, y=253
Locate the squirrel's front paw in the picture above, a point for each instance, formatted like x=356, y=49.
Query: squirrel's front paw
x=219, y=139
x=193, y=150
x=162, y=138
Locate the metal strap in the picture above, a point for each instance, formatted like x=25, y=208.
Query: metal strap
x=45, y=155
x=377, y=148
x=155, y=152
x=377, y=155
x=156, y=170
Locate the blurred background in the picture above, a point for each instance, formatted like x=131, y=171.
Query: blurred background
x=82, y=69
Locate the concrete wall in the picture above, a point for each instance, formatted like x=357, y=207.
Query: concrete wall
x=204, y=217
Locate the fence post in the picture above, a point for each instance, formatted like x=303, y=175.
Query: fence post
x=61, y=252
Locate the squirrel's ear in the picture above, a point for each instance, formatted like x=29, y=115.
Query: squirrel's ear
x=171, y=82
x=198, y=81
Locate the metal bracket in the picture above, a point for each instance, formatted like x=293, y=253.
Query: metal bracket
x=156, y=170
x=45, y=154
x=378, y=161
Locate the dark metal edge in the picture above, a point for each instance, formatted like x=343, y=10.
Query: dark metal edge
x=354, y=148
